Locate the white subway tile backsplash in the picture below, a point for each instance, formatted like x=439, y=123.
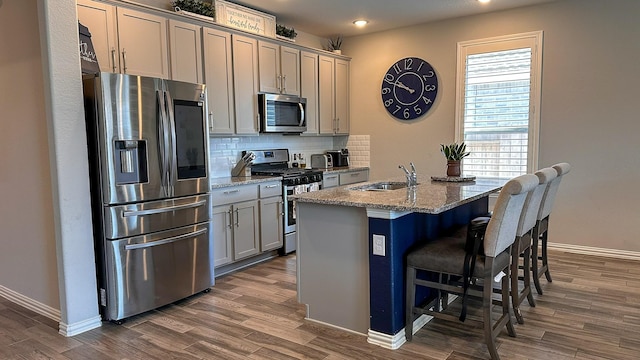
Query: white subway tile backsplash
x=225, y=151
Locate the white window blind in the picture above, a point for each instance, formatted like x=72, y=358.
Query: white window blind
x=496, y=104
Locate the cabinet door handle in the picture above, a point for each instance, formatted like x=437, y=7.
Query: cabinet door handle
x=124, y=61
x=228, y=218
x=331, y=177
x=355, y=174
x=113, y=59
x=279, y=83
x=270, y=186
x=231, y=191
x=237, y=219
x=284, y=83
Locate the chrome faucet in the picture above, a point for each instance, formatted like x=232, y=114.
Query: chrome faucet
x=412, y=177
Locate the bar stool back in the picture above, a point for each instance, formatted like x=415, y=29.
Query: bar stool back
x=523, y=242
x=540, y=263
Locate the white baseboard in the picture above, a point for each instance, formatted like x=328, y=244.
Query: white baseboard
x=394, y=342
x=331, y=325
x=51, y=313
x=79, y=327
x=588, y=250
x=33, y=305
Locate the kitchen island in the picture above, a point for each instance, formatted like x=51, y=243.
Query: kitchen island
x=352, y=241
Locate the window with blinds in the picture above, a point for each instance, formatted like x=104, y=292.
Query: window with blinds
x=497, y=99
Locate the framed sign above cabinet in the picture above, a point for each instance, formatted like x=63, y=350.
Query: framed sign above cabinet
x=243, y=18
x=409, y=88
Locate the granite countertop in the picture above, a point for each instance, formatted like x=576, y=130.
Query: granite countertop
x=343, y=169
x=429, y=196
x=228, y=181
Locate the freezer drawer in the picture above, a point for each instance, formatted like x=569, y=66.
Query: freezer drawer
x=122, y=221
x=146, y=272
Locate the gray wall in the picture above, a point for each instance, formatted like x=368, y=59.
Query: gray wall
x=589, y=107
x=27, y=238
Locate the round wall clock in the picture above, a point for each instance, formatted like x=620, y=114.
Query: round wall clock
x=409, y=88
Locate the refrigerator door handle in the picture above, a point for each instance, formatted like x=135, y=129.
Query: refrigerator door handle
x=163, y=209
x=173, y=162
x=165, y=241
x=163, y=139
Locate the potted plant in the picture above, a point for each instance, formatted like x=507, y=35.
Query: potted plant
x=285, y=32
x=334, y=44
x=454, y=153
x=197, y=7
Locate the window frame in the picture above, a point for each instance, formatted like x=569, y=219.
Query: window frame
x=529, y=39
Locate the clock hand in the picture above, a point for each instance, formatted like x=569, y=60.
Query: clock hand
x=401, y=85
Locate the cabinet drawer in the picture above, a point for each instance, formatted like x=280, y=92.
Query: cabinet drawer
x=234, y=194
x=270, y=189
x=354, y=177
x=330, y=180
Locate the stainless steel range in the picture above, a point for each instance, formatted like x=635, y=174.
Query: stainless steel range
x=275, y=162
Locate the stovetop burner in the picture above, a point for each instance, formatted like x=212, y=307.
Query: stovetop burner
x=275, y=163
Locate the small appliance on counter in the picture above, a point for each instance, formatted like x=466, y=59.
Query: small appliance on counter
x=339, y=158
x=321, y=161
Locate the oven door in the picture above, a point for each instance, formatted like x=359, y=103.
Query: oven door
x=290, y=208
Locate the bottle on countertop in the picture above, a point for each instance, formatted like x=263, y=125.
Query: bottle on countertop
x=303, y=162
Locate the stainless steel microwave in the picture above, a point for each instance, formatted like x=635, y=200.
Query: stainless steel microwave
x=282, y=113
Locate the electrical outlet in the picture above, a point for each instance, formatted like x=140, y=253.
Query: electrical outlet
x=378, y=245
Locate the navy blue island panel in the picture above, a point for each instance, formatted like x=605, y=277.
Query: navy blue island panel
x=387, y=273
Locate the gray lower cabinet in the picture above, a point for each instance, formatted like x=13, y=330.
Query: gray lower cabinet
x=353, y=177
x=235, y=220
x=235, y=231
x=330, y=180
x=222, y=235
x=246, y=239
x=333, y=179
x=271, y=226
x=247, y=220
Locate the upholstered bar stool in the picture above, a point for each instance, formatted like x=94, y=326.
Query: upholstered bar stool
x=540, y=263
x=446, y=255
x=524, y=241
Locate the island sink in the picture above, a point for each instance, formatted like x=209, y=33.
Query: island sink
x=381, y=186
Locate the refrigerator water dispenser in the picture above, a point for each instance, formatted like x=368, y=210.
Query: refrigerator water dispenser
x=131, y=160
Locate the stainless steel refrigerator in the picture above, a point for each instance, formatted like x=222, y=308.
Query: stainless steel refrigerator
x=148, y=157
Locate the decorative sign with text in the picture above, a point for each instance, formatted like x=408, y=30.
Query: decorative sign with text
x=245, y=19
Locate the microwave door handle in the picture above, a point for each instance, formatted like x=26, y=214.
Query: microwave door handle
x=163, y=139
x=302, y=119
x=172, y=145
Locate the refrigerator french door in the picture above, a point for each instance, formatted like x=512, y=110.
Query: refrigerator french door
x=148, y=156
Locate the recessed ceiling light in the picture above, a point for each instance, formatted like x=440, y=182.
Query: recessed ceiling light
x=360, y=23
x=484, y=1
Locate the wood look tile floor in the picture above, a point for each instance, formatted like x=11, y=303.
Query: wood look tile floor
x=590, y=311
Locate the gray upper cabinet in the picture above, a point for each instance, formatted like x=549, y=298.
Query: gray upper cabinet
x=333, y=95
x=126, y=40
x=245, y=80
x=218, y=71
x=309, y=89
x=185, y=49
x=143, y=43
x=279, y=68
x=101, y=20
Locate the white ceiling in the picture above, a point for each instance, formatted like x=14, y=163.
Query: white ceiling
x=327, y=18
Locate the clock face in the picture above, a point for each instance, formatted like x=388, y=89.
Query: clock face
x=409, y=88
